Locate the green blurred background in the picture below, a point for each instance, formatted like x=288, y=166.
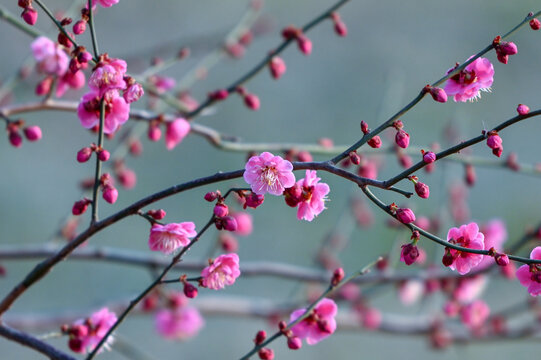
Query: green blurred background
x=392, y=50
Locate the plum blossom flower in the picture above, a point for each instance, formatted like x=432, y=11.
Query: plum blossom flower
x=312, y=199
x=103, y=3
x=410, y=291
x=244, y=223
x=70, y=81
x=51, y=58
x=267, y=173
x=467, y=84
x=176, y=132
x=495, y=236
x=318, y=325
x=470, y=288
x=108, y=75
x=167, y=238
x=85, y=334
x=530, y=275
x=179, y=323
x=475, y=314
x=467, y=236
x=224, y=270
x=117, y=111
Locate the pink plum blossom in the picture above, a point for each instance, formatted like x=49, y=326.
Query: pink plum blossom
x=530, y=275
x=475, y=314
x=495, y=235
x=176, y=132
x=318, y=325
x=85, y=334
x=312, y=200
x=50, y=57
x=467, y=236
x=267, y=173
x=167, y=238
x=179, y=323
x=223, y=271
x=244, y=223
x=162, y=83
x=117, y=111
x=103, y=3
x=410, y=291
x=70, y=81
x=108, y=75
x=469, y=288
x=467, y=84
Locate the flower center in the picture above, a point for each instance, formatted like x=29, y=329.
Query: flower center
x=465, y=77
x=268, y=175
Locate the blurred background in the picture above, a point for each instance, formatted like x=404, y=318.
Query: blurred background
x=392, y=50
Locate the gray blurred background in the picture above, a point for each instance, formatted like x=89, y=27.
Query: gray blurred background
x=392, y=50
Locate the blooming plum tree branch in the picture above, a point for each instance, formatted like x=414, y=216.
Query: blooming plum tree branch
x=436, y=239
x=332, y=287
x=105, y=108
x=423, y=92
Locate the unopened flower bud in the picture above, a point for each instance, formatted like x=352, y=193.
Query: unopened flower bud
x=304, y=44
x=221, y=210
x=260, y=337
x=80, y=206
x=32, y=133
x=405, y=215
x=294, y=343
x=15, y=139
x=304, y=156
x=266, y=354
x=229, y=223
x=535, y=24
x=30, y=15
x=409, y=253
x=402, y=139
x=277, y=67
x=422, y=190
x=337, y=276
x=158, y=214
x=340, y=28
x=522, y=109
x=252, y=101
x=211, y=196
x=374, y=142
x=508, y=48
x=189, y=290
x=364, y=127
x=438, y=94
x=103, y=155
x=110, y=194
x=220, y=94
x=429, y=157
x=355, y=158
x=447, y=259
x=470, y=175
x=154, y=132
x=501, y=259
x=253, y=200
x=293, y=195
x=79, y=27
x=228, y=242
x=84, y=154
x=44, y=86
x=64, y=40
